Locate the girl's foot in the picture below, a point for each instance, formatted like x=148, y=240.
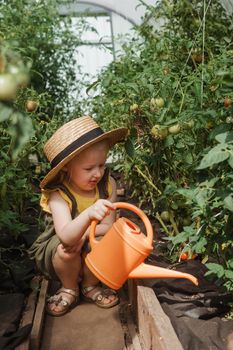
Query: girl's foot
x=62, y=302
x=102, y=297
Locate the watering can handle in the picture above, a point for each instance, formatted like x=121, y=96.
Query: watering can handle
x=136, y=210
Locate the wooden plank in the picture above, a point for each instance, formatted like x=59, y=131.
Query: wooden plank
x=131, y=336
x=28, y=318
x=29, y=311
x=132, y=296
x=39, y=317
x=133, y=332
x=155, y=329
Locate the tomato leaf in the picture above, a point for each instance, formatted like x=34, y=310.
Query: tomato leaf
x=129, y=147
x=224, y=137
x=228, y=202
x=230, y=263
x=230, y=161
x=216, y=155
x=5, y=112
x=215, y=269
x=229, y=274
x=199, y=247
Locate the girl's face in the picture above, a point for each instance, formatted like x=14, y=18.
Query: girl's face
x=86, y=169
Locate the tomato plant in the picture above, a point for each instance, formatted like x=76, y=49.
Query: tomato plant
x=192, y=78
x=37, y=77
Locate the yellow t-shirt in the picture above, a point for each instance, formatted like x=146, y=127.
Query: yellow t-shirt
x=82, y=202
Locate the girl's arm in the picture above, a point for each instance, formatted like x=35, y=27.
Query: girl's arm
x=71, y=231
x=108, y=221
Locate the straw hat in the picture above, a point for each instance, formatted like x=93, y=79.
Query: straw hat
x=74, y=137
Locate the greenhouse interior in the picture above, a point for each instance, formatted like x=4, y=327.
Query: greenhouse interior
x=116, y=187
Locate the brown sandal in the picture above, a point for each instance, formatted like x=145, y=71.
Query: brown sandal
x=59, y=299
x=100, y=295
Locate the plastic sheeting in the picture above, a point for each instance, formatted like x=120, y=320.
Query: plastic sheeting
x=197, y=313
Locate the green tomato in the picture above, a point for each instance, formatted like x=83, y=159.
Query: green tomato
x=158, y=132
x=229, y=120
x=159, y=102
x=174, y=129
x=163, y=133
x=190, y=124
x=133, y=107
x=12, y=69
x=165, y=216
x=152, y=102
x=22, y=79
x=155, y=131
x=8, y=87
x=20, y=75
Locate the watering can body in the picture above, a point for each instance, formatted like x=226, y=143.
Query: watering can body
x=120, y=254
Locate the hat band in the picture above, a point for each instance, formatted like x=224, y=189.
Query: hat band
x=89, y=136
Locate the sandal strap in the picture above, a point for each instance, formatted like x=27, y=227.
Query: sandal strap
x=86, y=290
x=73, y=292
x=109, y=291
x=100, y=294
x=59, y=299
x=54, y=299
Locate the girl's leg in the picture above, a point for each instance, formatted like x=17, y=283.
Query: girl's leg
x=88, y=278
x=91, y=287
x=67, y=266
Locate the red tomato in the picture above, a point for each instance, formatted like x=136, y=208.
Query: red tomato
x=227, y=102
x=184, y=256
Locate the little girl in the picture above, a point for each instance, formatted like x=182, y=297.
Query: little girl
x=76, y=190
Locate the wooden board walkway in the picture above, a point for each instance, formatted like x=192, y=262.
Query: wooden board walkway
x=86, y=327
x=137, y=323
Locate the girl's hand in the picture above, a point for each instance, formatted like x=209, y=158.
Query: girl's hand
x=100, y=209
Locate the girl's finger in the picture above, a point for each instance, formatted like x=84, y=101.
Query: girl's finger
x=109, y=204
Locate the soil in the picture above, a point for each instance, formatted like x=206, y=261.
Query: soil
x=16, y=274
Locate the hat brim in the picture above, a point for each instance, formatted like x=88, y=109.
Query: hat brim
x=113, y=137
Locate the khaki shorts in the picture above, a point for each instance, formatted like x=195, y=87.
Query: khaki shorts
x=42, y=252
x=44, y=248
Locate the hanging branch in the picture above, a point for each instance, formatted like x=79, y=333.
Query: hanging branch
x=203, y=51
x=189, y=55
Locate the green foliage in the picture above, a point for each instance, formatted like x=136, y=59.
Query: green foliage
x=45, y=39
x=172, y=87
x=37, y=78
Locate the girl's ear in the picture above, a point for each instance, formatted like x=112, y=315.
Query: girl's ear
x=65, y=169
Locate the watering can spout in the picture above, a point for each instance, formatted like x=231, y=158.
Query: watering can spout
x=150, y=271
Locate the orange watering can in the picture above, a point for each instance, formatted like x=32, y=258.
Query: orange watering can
x=119, y=255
